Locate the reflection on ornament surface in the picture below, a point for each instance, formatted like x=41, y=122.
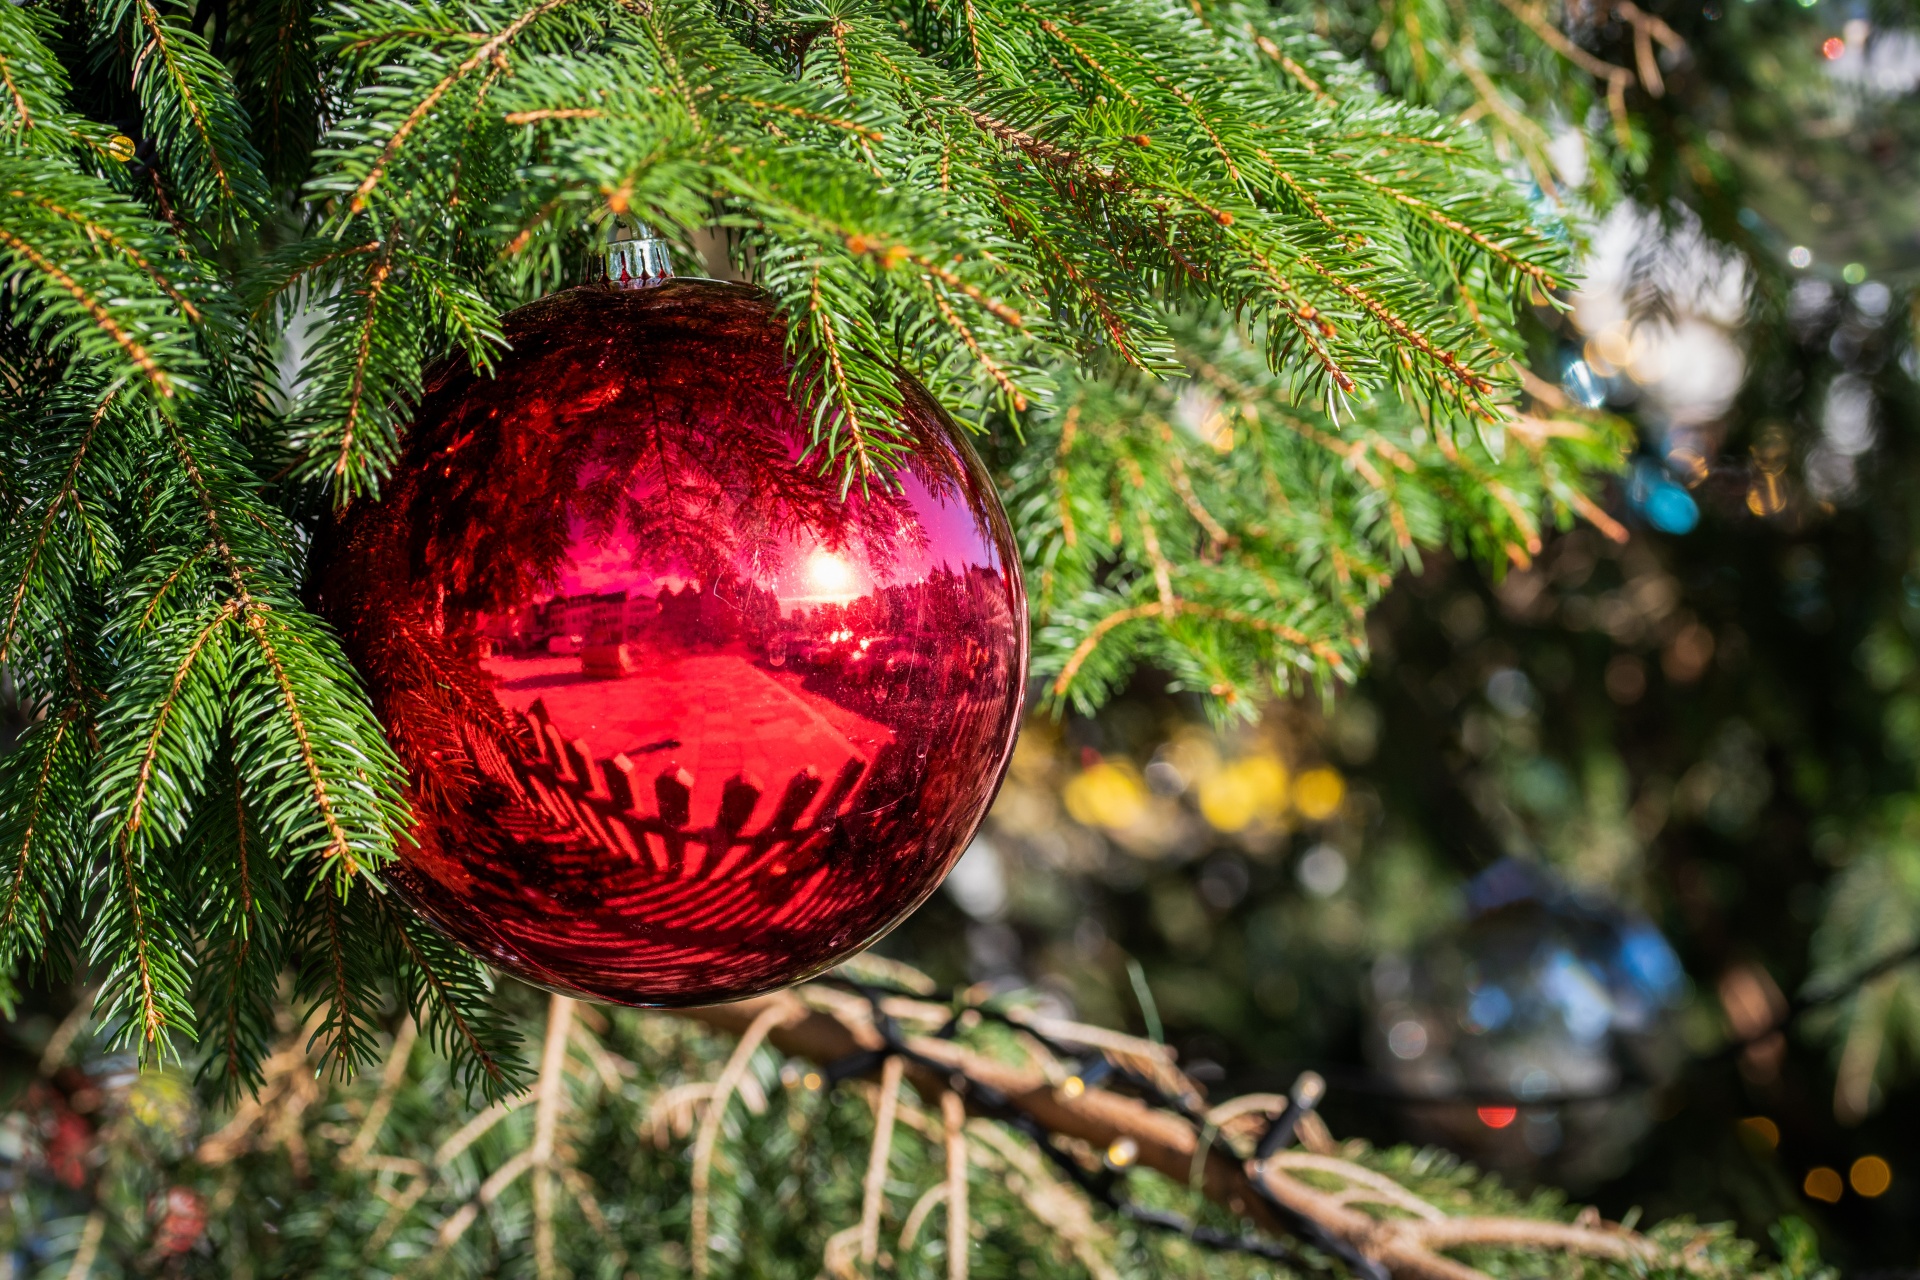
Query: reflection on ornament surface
x=682, y=722
x=1540, y=1028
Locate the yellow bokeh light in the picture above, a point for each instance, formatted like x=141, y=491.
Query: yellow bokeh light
x=1194, y=755
x=1823, y=1184
x=1317, y=793
x=1246, y=790
x=1765, y=497
x=1609, y=351
x=1761, y=1131
x=162, y=1100
x=1106, y=795
x=1870, y=1176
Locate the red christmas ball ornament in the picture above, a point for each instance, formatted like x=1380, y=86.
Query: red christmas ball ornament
x=683, y=722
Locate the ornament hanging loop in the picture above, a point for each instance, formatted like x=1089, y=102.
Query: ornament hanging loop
x=632, y=257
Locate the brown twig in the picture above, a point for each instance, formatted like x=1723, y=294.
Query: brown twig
x=392, y=1076
x=1646, y=29
x=550, y=1093
x=1165, y=1142
x=768, y=1013
x=873, y=1194
x=953, y=1117
x=825, y=1026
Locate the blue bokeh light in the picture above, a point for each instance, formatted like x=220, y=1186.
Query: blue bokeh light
x=1660, y=501
x=1580, y=382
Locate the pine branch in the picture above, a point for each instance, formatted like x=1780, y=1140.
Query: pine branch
x=169, y=700
x=1137, y=244
x=84, y=258
x=43, y=805
x=447, y=993
x=31, y=578
x=243, y=926
x=337, y=969
x=876, y=97
x=33, y=84
x=192, y=111
x=277, y=76
x=372, y=169
x=303, y=738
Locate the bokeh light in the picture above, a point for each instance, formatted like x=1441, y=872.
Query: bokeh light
x=1106, y=795
x=1761, y=1132
x=1323, y=871
x=1870, y=1176
x=1823, y=1184
x=1318, y=792
x=1246, y=790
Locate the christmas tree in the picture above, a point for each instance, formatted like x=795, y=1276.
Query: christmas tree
x=1255, y=312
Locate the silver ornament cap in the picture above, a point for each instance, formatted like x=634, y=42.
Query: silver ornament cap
x=632, y=257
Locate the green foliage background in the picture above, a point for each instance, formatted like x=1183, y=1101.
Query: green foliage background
x=1338, y=225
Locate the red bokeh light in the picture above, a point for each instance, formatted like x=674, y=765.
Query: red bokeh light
x=181, y=1220
x=1833, y=47
x=1497, y=1117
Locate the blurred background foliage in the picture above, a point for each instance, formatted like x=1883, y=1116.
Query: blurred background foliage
x=1713, y=723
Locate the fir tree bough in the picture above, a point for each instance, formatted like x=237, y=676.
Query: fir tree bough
x=1243, y=329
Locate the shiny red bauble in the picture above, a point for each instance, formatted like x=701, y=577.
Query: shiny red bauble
x=682, y=721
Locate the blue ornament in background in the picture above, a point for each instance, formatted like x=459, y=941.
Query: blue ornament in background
x=1532, y=1037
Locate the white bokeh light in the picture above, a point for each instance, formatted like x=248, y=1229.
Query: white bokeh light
x=1682, y=358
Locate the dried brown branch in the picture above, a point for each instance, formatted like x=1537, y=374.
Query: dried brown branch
x=953, y=1116
x=392, y=1076
x=1646, y=29
x=550, y=1094
x=873, y=1194
x=769, y=1013
x=826, y=1026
